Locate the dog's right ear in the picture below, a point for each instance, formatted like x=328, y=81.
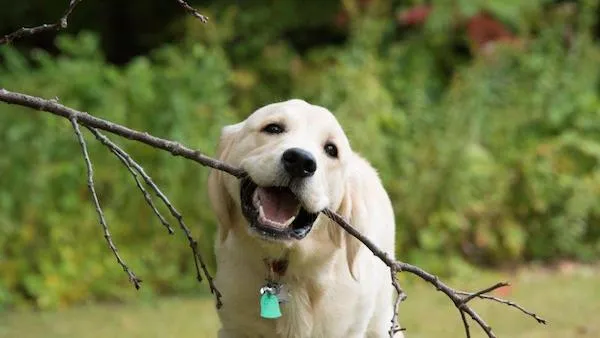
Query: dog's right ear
x=220, y=199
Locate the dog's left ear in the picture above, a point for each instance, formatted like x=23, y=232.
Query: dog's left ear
x=220, y=200
x=354, y=210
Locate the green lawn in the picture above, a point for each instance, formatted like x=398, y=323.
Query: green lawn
x=569, y=300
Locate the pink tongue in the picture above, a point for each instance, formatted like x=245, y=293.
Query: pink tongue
x=279, y=204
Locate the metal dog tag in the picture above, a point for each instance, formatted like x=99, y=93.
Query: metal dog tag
x=269, y=302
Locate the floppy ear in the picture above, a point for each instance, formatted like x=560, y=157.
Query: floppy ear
x=220, y=199
x=354, y=210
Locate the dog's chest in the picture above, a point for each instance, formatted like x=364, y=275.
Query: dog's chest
x=319, y=310
x=309, y=312
x=322, y=297
x=303, y=313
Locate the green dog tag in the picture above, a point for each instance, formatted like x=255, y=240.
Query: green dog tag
x=269, y=306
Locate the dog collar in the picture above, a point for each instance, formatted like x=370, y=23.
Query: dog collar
x=276, y=268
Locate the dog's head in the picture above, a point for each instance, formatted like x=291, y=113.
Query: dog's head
x=295, y=155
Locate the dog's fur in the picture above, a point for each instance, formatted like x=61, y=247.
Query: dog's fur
x=337, y=287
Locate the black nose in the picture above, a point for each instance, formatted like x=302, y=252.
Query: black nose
x=299, y=163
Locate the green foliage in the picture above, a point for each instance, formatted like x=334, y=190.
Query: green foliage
x=490, y=159
x=52, y=250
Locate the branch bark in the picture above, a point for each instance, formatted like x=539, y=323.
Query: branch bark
x=400, y=297
x=134, y=167
x=193, y=12
x=175, y=148
x=60, y=24
x=90, y=183
x=129, y=163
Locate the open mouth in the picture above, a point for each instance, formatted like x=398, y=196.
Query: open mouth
x=275, y=212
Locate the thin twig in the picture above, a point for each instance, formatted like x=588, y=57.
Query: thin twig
x=211, y=282
x=400, y=296
x=402, y=266
x=57, y=26
x=198, y=260
x=465, y=323
x=509, y=303
x=193, y=11
x=145, y=193
x=90, y=183
x=466, y=299
x=128, y=162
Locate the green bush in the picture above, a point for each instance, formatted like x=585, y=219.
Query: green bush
x=496, y=164
x=489, y=159
x=52, y=250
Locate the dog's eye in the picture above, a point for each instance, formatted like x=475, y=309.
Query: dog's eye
x=331, y=150
x=273, y=128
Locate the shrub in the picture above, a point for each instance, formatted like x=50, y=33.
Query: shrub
x=51, y=244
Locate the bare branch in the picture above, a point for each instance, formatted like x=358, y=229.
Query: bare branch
x=90, y=183
x=198, y=261
x=465, y=323
x=509, y=303
x=466, y=299
x=128, y=163
x=131, y=164
x=211, y=282
x=459, y=299
x=175, y=148
x=62, y=22
x=193, y=11
x=401, y=266
x=57, y=26
x=400, y=296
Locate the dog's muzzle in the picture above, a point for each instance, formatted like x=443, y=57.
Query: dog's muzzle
x=275, y=212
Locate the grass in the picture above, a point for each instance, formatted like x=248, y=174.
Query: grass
x=569, y=300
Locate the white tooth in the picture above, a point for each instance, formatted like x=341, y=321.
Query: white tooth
x=255, y=199
x=289, y=221
x=263, y=219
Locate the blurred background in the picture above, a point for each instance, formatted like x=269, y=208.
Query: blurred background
x=482, y=117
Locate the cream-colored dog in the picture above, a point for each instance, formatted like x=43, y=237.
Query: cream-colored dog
x=279, y=258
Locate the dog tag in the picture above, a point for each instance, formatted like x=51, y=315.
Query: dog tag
x=269, y=305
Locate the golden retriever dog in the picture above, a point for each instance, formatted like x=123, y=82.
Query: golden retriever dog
x=285, y=269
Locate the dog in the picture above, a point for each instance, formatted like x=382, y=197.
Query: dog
x=276, y=252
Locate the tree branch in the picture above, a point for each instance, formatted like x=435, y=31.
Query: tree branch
x=399, y=266
x=192, y=11
x=128, y=162
x=460, y=299
x=509, y=303
x=400, y=296
x=465, y=323
x=62, y=22
x=466, y=299
x=176, y=149
x=131, y=164
x=90, y=183
x=57, y=26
